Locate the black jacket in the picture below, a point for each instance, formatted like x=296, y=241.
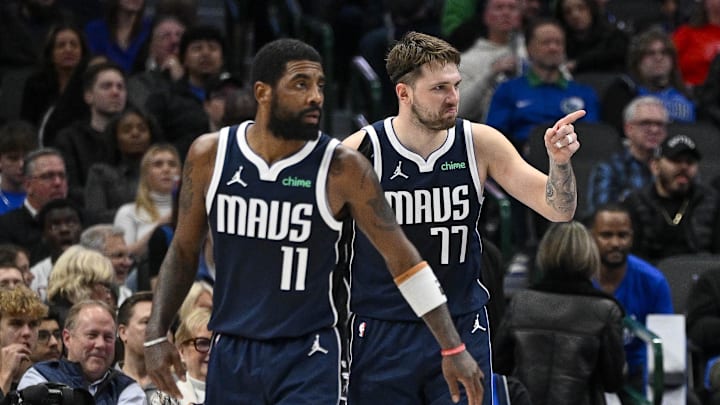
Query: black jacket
x=697, y=232
x=564, y=342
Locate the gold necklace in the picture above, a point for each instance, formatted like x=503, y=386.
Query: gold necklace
x=678, y=215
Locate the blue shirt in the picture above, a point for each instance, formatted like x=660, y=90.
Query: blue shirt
x=102, y=42
x=642, y=291
x=521, y=104
x=10, y=200
x=679, y=107
x=612, y=180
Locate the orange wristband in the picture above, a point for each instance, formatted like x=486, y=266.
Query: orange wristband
x=453, y=351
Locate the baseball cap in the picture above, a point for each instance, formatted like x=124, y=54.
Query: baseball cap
x=676, y=145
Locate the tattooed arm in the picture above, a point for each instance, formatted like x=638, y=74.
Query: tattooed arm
x=353, y=189
x=553, y=196
x=177, y=271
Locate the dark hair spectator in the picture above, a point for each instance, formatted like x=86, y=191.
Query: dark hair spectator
x=64, y=53
x=113, y=183
x=121, y=34
x=591, y=43
x=16, y=139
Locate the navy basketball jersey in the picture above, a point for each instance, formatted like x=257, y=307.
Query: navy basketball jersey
x=275, y=239
x=437, y=202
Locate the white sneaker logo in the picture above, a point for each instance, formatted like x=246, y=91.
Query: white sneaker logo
x=316, y=347
x=398, y=172
x=236, y=178
x=476, y=325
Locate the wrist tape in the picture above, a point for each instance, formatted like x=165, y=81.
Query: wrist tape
x=421, y=289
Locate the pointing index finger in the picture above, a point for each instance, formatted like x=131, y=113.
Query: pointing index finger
x=570, y=118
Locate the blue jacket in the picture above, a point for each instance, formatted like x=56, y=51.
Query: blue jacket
x=71, y=374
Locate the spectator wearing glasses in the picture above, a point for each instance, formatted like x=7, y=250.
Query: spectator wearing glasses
x=193, y=342
x=652, y=70
x=110, y=241
x=20, y=313
x=645, y=125
x=61, y=223
x=45, y=180
x=133, y=315
x=49, y=341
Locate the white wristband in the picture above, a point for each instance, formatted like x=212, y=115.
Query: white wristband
x=155, y=341
x=421, y=289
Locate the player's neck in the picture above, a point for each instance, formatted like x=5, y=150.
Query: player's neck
x=270, y=147
x=417, y=137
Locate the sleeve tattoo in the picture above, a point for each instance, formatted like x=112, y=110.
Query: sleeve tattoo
x=560, y=189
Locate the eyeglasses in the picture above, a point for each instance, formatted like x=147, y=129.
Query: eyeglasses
x=50, y=176
x=44, y=335
x=649, y=123
x=202, y=345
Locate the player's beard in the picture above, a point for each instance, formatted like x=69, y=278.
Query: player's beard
x=432, y=120
x=285, y=125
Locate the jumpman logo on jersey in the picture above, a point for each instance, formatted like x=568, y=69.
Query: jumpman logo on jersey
x=316, y=347
x=236, y=178
x=476, y=325
x=398, y=171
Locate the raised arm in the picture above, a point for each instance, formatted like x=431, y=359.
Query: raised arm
x=554, y=195
x=354, y=188
x=177, y=271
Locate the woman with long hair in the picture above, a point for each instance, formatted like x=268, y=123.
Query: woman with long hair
x=64, y=57
x=122, y=34
x=159, y=173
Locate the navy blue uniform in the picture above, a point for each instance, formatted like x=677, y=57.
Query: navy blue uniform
x=275, y=245
x=437, y=202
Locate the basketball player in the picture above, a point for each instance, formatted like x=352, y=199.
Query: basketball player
x=432, y=167
x=274, y=193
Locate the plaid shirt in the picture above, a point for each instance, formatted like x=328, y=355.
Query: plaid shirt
x=614, y=179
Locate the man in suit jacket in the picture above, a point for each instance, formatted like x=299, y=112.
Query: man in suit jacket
x=45, y=180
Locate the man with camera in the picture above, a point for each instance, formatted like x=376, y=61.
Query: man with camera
x=89, y=336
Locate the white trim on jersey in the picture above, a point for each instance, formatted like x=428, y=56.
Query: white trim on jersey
x=425, y=166
x=321, y=187
x=271, y=173
x=377, y=150
x=472, y=161
x=219, y=165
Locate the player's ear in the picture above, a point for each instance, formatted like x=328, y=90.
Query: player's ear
x=402, y=91
x=263, y=92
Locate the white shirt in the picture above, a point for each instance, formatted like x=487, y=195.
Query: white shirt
x=41, y=271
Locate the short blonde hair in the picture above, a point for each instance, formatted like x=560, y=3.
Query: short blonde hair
x=75, y=271
x=21, y=301
x=198, y=317
x=188, y=304
x=569, y=250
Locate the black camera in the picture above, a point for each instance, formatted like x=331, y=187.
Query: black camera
x=49, y=394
